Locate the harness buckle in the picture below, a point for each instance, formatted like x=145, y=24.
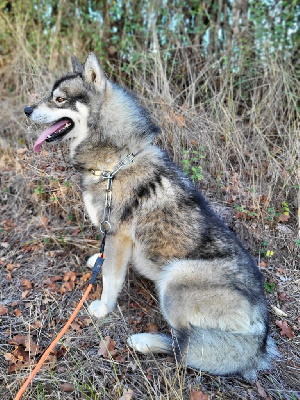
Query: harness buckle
x=105, y=227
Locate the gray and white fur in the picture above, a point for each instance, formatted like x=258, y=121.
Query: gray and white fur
x=210, y=290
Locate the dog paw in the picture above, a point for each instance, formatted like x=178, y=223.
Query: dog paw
x=99, y=309
x=138, y=343
x=91, y=261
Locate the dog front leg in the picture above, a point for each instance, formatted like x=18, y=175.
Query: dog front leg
x=118, y=250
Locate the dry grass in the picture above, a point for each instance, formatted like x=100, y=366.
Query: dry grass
x=250, y=155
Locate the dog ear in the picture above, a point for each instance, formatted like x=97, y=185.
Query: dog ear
x=77, y=68
x=93, y=73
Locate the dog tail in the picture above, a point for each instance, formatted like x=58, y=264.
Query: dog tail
x=225, y=353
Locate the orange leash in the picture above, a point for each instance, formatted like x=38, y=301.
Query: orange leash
x=95, y=272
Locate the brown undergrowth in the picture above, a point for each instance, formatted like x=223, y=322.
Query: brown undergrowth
x=242, y=156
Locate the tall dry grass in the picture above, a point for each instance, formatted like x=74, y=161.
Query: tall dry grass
x=245, y=122
x=243, y=126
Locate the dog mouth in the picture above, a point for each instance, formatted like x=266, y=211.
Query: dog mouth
x=54, y=133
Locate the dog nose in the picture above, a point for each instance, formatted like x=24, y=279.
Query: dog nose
x=28, y=111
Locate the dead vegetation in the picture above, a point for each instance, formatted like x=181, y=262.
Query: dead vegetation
x=240, y=150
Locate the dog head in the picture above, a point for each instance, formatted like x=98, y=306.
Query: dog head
x=86, y=104
x=68, y=107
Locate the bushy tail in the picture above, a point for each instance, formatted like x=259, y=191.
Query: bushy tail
x=225, y=353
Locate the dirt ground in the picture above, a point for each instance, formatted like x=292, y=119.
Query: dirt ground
x=45, y=239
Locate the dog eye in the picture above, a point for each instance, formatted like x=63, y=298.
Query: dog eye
x=60, y=99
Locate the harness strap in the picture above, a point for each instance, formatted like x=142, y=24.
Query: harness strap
x=123, y=163
x=105, y=225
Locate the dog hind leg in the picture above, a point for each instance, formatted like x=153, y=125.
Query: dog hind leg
x=151, y=343
x=218, y=328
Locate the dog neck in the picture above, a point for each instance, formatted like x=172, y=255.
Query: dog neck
x=103, y=158
x=122, y=164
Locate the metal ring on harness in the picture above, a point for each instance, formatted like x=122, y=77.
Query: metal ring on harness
x=105, y=226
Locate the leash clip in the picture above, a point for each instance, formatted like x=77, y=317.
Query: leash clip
x=105, y=226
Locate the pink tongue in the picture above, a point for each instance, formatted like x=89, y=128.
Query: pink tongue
x=49, y=131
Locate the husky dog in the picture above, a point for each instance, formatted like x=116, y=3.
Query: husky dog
x=210, y=290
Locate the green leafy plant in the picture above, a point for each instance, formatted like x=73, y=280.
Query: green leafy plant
x=270, y=287
x=71, y=217
x=240, y=208
x=39, y=189
x=285, y=208
x=191, y=164
x=243, y=210
x=272, y=214
x=68, y=184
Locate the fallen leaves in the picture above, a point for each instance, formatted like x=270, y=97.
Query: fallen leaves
x=31, y=247
x=67, y=387
x=284, y=217
x=27, y=342
x=149, y=375
x=25, y=349
x=198, y=395
x=3, y=310
x=80, y=323
x=286, y=330
x=25, y=352
x=44, y=221
x=20, y=357
x=70, y=276
x=26, y=287
x=12, y=267
x=62, y=284
x=263, y=265
x=107, y=348
x=283, y=297
x=17, y=312
x=152, y=328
